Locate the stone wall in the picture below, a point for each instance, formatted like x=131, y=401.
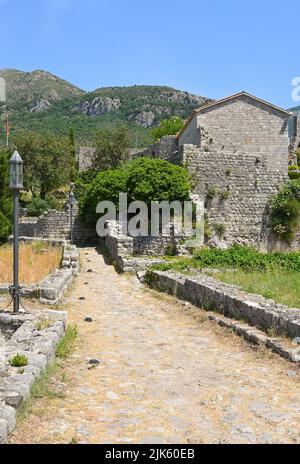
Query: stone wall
x=85, y=158
x=236, y=191
x=166, y=149
x=56, y=225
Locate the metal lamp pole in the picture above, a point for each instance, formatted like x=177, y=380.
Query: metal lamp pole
x=72, y=202
x=16, y=184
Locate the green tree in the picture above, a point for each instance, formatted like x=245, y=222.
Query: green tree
x=47, y=164
x=169, y=126
x=73, y=163
x=5, y=196
x=143, y=179
x=112, y=148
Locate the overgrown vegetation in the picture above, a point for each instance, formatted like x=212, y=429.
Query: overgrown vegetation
x=236, y=257
x=170, y=126
x=5, y=196
x=285, y=213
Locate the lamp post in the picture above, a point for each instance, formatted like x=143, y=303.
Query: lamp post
x=72, y=202
x=16, y=184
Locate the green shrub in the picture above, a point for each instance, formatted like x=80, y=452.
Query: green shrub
x=5, y=196
x=224, y=195
x=19, y=360
x=170, y=126
x=5, y=228
x=37, y=207
x=236, y=257
x=285, y=212
x=294, y=172
x=220, y=229
x=211, y=193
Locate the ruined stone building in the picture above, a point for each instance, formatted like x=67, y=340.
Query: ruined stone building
x=237, y=153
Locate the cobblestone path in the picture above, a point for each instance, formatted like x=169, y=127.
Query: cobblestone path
x=166, y=374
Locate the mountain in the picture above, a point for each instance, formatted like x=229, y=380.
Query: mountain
x=295, y=110
x=40, y=101
x=36, y=91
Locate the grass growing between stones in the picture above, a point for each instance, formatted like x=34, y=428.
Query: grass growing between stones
x=67, y=343
x=37, y=260
x=276, y=284
x=51, y=383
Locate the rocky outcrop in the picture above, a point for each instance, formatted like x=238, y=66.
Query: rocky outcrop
x=39, y=107
x=98, y=106
x=145, y=119
x=183, y=98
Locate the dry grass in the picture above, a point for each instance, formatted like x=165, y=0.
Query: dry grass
x=37, y=260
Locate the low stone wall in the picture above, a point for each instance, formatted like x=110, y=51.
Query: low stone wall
x=124, y=249
x=39, y=348
x=229, y=300
x=135, y=264
x=53, y=288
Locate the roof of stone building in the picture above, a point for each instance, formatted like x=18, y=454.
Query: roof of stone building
x=232, y=97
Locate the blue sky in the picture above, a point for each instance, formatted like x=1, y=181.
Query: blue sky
x=212, y=48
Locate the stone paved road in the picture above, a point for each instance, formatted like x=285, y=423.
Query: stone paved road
x=167, y=375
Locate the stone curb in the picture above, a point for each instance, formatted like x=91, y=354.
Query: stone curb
x=38, y=347
x=257, y=337
x=229, y=300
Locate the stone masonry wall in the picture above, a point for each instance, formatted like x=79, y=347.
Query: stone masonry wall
x=166, y=149
x=56, y=225
x=125, y=246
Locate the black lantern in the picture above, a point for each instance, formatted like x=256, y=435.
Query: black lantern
x=16, y=172
x=72, y=199
x=16, y=184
